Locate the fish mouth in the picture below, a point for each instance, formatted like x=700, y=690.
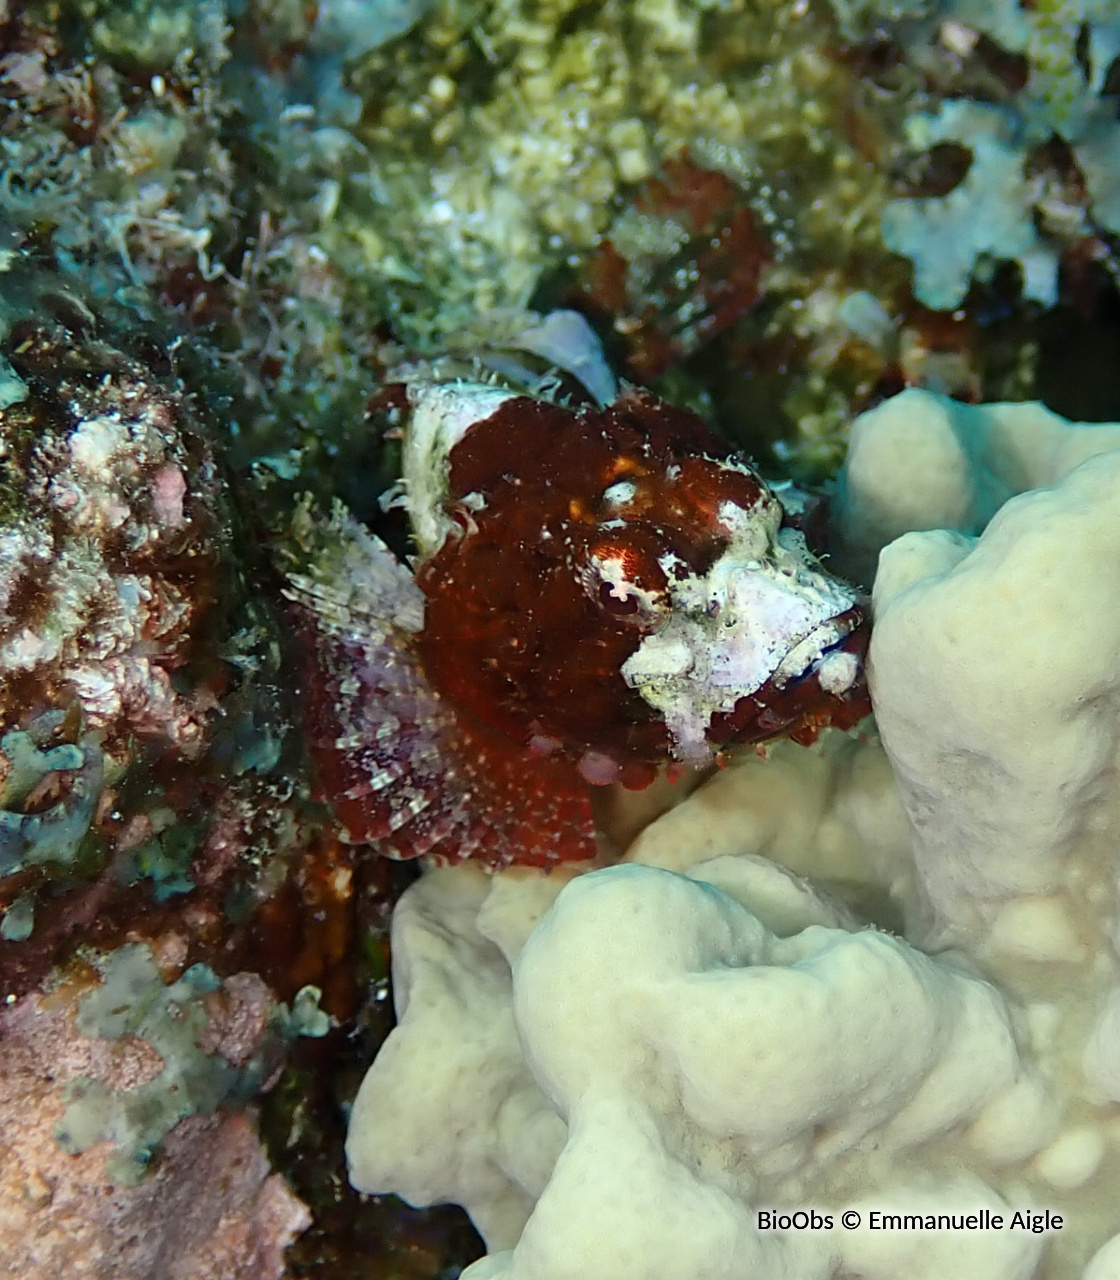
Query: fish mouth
x=817, y=676
x=824, y=651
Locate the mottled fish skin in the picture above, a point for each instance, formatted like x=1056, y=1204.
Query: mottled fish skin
x=607, y=589
x=579, y=542
x=399, y=767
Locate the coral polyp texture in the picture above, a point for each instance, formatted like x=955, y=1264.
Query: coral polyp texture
x=109, y=543
x=874, y=976
x=600, y=590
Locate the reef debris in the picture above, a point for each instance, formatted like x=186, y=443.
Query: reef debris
x=110, y=541
x=681, y=264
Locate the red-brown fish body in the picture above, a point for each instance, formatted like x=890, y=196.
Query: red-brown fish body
x=599, y=591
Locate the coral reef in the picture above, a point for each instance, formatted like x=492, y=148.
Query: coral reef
x=117, y=643
x=987, y=215
x=633, y=1061
x=55, y=835
x=210, y=1036
x=208, y=1209
x=1063, y=94
x=921, y=461
x=144, y=804
x=225, y=227
x=111, y=542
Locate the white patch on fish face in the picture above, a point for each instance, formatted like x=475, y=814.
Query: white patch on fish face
x=837, y=672
x=764, y=611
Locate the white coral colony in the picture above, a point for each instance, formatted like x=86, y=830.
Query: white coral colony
x=849, y=1011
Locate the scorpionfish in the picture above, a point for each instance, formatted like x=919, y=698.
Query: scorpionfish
x=596, y=592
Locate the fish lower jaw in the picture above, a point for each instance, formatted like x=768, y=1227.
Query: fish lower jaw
x=818, y=652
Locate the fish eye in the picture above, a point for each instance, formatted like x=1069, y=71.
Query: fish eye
x=622, y=604
x=622, y=576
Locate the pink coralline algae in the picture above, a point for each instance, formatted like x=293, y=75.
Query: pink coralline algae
x=600, y=592
x=209, y=1210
